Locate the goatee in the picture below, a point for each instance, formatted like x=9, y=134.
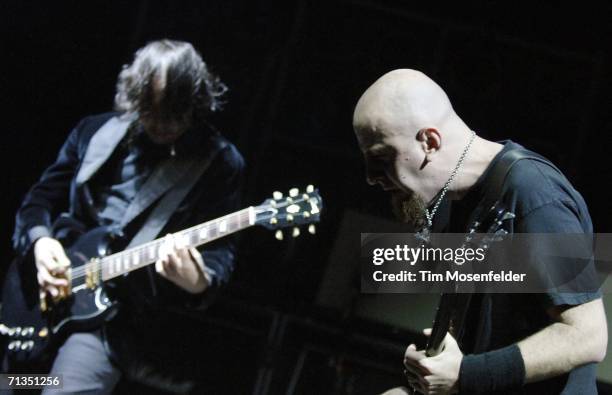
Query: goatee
x=409, y=208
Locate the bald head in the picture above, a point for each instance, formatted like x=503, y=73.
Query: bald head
x=409, y=134
x=403, y=99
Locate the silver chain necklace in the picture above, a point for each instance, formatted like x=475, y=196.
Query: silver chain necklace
x=430, y=214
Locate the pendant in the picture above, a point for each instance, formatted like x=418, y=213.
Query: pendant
x=423, y=235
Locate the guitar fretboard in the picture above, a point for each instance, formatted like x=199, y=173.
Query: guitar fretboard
x=126, y=261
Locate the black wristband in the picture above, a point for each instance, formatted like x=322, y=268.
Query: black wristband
x=492, y=371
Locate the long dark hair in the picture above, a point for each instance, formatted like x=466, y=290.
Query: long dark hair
x=187, y=83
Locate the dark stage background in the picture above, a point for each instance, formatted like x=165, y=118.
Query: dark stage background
x=539, y=75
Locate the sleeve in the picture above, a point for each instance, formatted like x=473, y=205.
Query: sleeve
x=218, y=193
x=565, y=258
x=47, y=198
x=219, y=256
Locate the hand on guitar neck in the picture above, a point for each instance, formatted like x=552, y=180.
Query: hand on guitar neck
x=182, y=265
x=435, y=374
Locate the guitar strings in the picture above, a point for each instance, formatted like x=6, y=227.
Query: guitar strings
x=82, y=271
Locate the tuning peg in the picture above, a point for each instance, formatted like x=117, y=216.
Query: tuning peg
x=293, y=192
x=306, y=214
x=296, y=232
x=508, y=215
x=310, y=189
x=278, y=234
x=293, y=208
x=312, y=229
x=289, y=217
x=277, y=195
x=273, y=221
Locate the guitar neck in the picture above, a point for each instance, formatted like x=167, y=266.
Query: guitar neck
x=143, y=255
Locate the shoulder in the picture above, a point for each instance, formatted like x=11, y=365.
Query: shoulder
x=535, y=183
x=535, y=187
x=95, y=121
x=227, y=153
x=81, y=134
x=89, y=125
x=207, y=140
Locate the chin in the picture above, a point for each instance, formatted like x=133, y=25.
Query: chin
x=408, y=207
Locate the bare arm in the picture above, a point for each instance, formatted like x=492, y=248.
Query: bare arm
x=578, y=336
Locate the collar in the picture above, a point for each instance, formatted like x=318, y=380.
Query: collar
x=478, y=189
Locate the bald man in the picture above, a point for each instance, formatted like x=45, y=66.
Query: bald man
x=420, y=151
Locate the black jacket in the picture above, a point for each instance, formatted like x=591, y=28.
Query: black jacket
x=64, y=186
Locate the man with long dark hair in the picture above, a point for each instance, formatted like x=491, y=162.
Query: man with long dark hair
x=163, y=100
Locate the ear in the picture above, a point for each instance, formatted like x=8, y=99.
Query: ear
x=430, y=139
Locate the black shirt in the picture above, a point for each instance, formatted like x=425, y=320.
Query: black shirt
x=543, y=201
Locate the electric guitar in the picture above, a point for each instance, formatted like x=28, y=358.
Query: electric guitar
x=35, y=325
x=452, y=309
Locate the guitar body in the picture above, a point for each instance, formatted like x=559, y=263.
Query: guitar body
x=33, y=334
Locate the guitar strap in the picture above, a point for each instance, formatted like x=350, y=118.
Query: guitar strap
x=499, y=173
x=161, y=213
x=493, y=193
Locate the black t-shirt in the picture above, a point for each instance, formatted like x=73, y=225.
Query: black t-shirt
x=543, y=201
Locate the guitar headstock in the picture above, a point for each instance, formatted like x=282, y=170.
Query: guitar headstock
x=293, y=210
x=492, y=225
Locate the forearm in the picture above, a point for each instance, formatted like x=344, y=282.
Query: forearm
x=577, y=336
x=551, y=352
x=563, y=346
